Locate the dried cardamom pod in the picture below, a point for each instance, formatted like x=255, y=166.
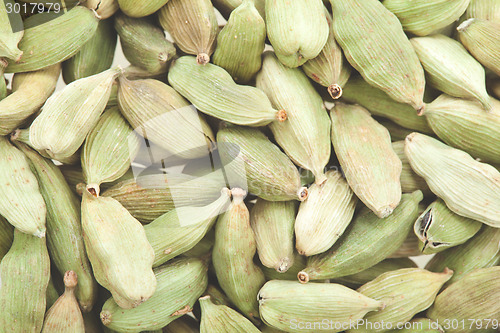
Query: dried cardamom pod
x=305, y=135
x=297, y=264
x=367, y=241
x=292, y=306
x=409, y=248
x=375, y=44
x=29, y=91
x=451, y=69
x=272, y=224
x=468, y=187
x=423, y=17
x=69, y=115
x=404, y=293
x=6, y=236
x=180, y=283
x=105, y=8
x=251, y=161
x=20, y=200
x=51, y=42
x=226, y=7
x=193, y=26
x=324, y=216
x=410, y=181
x=65, y=315
x=144, y=44
x=203, y=247
x=241, y=42
x=139, y=8
x=118, y=250
x=483, y=9
x=374, y=171
x=232, y=257
x=397, y=132
x=11, y=32
x=24, y=276
x=95, y=56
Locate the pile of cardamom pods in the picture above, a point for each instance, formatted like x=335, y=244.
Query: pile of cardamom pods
x=272, y=174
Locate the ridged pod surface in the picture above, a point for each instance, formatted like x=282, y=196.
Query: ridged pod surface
x=484, y=9
x=140, y=8
x=468, y=187
x=324, y=215
x=304, y=136
x=221, y=318
x=298, y=264
x=103, y=8
x=451, y=69
x=410, y=181
x=24, y=276
x=371, y=167
x=375, y=44
x=11, y=31
x=225, y=7
x=297, y=29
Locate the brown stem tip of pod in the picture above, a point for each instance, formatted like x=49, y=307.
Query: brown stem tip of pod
x=303, y=277
x=15, y=135
x=163, y=57
x=421, y=110
x=303, y=193
x=94, y=190
x=238, y=194
x=80, y=188
x=182, y=311
x=335, y=91
x=281, y=115
x=202, y=59
x=105, y=317
x=283, y=265
x=70, y=279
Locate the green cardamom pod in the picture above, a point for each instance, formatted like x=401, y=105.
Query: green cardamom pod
x=483, y=9
x=212, y=91
x=95, y=56
x=305, y=135
x=397, y=132
x=296, y=307
x=24, y=276
x=241, y=42
x=139, y=8
x=324, y=215
x=65, y=315
x=410, y=181
x=468, y=187
x=6, y=236
x=226, y=7
x=367, y=241
x=118, y=250
x=51, y=42
x=233, y=254
x=192, y=25
x=203, y=247
x=11, y=31
x=104, y=8
x=451, y=69
x=181, y=229
x=180, y=283
x=297, y=264
x=184, y=324
x=144, y=44
x=251, y=161
x=29, y=92
x=374, y=171
x=375, y=44
x=20, y=200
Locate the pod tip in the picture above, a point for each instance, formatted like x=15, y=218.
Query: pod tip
x=281, y=116
x=105, y=317
x=202, y=59
x=303, y=193
x=303, y=277
x=70, y=279
x=335, y=91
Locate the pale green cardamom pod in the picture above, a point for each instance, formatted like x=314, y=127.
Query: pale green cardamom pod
x=24, y=276
x=329, y=68
x=297, y=29
x=69, y=114
x=20, y=200
x=438, y=228
x=483, y=9
x=272, y=224
x=358, y=91
x=423, y=17
x=225, y=7
x=203, y=247
x=160, y=114
x=475, y=297
x=140, y=8
x=409, y=248
x=325, y=214
x=181, y=229
x=453, y=118
x=51, y=42
x=65, y=315
x=481, y=251
x=29, y=92
x=64, y=231
x=451, y=69
x=305, y=135
x=6, y=236
x=212, y=91
x=397, y=132
x=95, y=56
x=180, y=283
x=232, y=257
x=420, y=325
x=482, y=39
x=184, y=324
x=468, y=187
x=298, y=264
x=374, y=171
x=410, y=181
x=118, y=250
x=367, y=241
x=74, y=176
x=404, y=292
x=296, y=307
x=252, y=162
x=221, y=318
x=11, y=31
x=241, y=42
x=144, y=43
x=193, y=26
x=109, y=150
x=375, y=44
x=105, y=8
